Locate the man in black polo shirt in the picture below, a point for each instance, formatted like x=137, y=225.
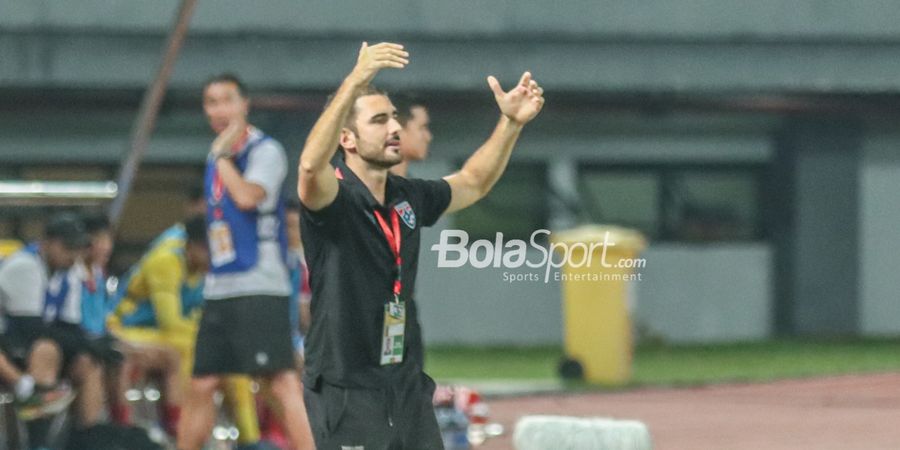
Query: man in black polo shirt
x=365, y=388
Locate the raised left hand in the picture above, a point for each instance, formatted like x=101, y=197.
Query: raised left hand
x=523, y=102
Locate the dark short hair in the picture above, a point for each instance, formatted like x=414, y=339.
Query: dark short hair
x=405, y=103
x=227, y=77
x=195, y=228
x=96, y=223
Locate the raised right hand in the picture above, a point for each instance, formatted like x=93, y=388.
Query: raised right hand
x=224, y=143
x=373, y=59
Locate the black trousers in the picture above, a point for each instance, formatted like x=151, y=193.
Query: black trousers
x=400, y=417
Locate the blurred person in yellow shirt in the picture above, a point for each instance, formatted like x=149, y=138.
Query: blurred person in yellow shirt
x=158, y=313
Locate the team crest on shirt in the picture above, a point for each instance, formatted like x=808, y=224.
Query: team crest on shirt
x=406, y=213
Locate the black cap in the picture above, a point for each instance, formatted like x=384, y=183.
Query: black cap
x=68, y=228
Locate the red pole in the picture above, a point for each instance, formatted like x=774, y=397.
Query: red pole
x=145, y=121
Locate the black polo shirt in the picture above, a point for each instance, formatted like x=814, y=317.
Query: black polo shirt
x=352, y=272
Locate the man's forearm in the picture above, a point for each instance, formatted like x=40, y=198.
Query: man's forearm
x=322, y=141
x=489, y=162
x=244, y=194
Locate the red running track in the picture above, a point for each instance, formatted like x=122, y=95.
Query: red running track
x=832, y=413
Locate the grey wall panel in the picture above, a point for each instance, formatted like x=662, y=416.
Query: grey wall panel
x=682, y=18
x=825, y=298
x=713, y=293
x=688, y=294
x=880, y=235
x=129, y=61
x=79, y=132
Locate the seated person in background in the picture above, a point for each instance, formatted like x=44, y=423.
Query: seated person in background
x=94, y=297
x=41, y=300
x=157, y=313
x=37, y=391
x=8, y=247
x=96, y=304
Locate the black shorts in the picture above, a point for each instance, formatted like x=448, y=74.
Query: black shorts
x=400, y=417
x=244, y=335
x=71, y=339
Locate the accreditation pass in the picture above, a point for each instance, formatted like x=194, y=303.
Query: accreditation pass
x=393, y=335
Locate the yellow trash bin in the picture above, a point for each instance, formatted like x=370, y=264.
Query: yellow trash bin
x=600, y=263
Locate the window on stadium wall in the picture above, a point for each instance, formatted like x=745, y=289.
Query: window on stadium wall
x=515, y=207
x=627, y=198
x=677, y=203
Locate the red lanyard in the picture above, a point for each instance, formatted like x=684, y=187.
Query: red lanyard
x=392, y=234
